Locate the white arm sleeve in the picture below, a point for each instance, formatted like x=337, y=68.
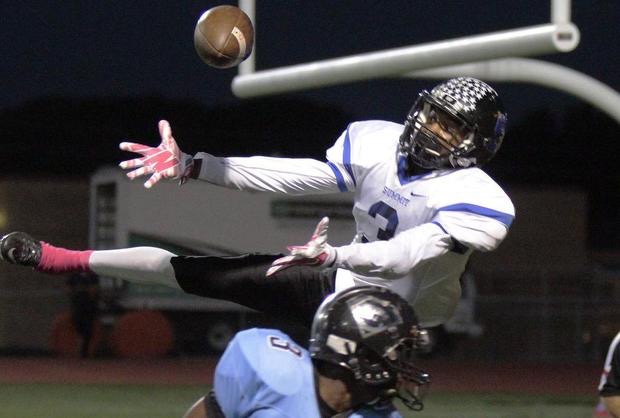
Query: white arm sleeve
x=474, y=231
x=394, y=258
x=268, y=174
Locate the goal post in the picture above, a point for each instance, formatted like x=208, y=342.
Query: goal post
x=499, y=56
x=529, y=41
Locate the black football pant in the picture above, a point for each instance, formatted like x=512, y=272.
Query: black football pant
x=292, y=294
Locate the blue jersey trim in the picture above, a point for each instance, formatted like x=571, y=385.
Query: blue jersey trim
x=502, y=217
x=346, y=156
x=441, y=226
x=342, y=186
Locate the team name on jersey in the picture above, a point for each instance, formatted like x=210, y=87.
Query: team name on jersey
x=395, y=196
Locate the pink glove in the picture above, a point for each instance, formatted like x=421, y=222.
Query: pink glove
x=316, y=253
x=166, y=161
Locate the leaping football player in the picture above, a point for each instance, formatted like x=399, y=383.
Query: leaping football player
x=422, y=205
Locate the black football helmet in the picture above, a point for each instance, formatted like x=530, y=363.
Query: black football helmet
x=373, y=333
x=469, y=110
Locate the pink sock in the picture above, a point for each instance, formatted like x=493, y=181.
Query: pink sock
x=57, y=260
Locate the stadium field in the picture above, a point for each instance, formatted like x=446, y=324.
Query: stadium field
x=52, y=387
x=47, y=400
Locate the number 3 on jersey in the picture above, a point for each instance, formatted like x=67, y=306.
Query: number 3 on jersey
x=389, y=214
x=281, y=344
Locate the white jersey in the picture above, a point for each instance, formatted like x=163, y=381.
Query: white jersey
x=414, y=234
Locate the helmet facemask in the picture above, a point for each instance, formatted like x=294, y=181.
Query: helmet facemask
x=460, y=123
x=413, y=383
x=435, y=138
x=372, y=378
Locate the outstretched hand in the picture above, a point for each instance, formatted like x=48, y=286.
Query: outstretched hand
x=165, y=161
x=316, y=252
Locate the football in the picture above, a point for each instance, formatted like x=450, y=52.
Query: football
x=224, y=36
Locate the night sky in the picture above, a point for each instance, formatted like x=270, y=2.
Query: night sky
x=88, y=49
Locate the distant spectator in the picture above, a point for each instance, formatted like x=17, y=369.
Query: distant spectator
x=84, y=298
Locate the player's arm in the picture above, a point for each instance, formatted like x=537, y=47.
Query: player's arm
x=198, y=410
x=393, y=258
x=293, y=176
x=389, y=259
x=282, y=175
x=456, y=228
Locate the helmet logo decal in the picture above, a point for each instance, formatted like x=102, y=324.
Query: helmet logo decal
x=373, y=316
x=341, y=345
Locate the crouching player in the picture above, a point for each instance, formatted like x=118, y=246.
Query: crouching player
x=361, y=356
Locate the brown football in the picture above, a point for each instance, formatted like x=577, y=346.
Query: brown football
x=224, y=36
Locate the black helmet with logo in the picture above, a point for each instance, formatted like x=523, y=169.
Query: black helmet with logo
x=372, y=332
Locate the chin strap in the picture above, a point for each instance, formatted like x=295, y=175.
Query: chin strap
x=411, y=401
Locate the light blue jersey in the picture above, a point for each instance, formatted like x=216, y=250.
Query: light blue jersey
x=264, y=374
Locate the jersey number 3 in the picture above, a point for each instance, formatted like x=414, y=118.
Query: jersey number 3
x=281, y=344
x=389, y=214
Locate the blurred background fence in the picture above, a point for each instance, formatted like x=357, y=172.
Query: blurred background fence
x=545, y=317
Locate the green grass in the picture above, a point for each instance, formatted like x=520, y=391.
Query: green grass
x=96, y=401
x=155, y=401
x=440, y=405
